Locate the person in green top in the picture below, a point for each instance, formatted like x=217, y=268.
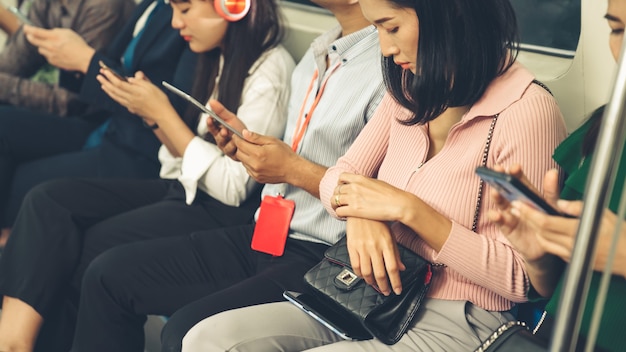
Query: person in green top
x=546, y=242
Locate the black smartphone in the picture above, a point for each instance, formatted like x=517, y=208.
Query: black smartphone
x=512, y=189
x=115, y=73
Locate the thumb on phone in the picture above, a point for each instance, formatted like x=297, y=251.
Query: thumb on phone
x=226, y=115
x=221, y=110
x=141, y=76
x=255, y=138
x=551, y=189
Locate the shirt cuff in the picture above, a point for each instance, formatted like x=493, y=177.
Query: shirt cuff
x=196, y=162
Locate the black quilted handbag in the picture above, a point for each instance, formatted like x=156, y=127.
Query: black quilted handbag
x=385, y=317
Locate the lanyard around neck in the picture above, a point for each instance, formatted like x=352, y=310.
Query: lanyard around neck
x=301, y=125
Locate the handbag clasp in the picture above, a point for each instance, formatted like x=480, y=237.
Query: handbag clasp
x=347, y=278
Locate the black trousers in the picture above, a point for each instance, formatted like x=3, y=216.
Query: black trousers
x=26, y=136
x=36, y=147
x=64, y=224
x=190, y=278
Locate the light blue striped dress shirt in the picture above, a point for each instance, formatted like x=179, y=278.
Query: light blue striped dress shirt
x=352, y=93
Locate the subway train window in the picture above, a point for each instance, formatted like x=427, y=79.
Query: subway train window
x=549, y=26
x=305, y=22
x=549, y=30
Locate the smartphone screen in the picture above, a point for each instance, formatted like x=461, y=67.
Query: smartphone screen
x=115, y=73
x=513, y=189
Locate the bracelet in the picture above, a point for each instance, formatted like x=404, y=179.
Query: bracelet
x=152, y=127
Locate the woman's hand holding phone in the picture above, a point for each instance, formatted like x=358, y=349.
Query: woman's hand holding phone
x=115, y=73
x=532, y=232
x=557, y=235
x=520, y=231
x=137, y=94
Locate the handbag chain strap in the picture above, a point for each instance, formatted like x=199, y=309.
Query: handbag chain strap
x=486, y=154
x=481, y=184
x=483, y=163
x=496, y=334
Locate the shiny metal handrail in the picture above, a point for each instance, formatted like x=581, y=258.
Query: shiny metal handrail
x=599, y=185
x=605, y=282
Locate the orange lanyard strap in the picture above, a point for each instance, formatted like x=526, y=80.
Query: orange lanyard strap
x=301, y=126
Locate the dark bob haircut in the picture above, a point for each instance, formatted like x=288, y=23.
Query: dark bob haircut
x=463, y=45
x=244, y=43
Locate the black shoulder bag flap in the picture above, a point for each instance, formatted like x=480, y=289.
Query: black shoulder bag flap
x=385, y=317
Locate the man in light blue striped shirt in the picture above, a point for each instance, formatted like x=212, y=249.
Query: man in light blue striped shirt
x=336, y=88
x=347, y=103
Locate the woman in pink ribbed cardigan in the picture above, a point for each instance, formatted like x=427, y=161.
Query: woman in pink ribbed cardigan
x=409, y=178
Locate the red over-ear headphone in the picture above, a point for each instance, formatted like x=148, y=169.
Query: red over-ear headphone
x=232, y=10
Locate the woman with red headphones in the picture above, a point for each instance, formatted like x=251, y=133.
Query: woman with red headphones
x=241, y=64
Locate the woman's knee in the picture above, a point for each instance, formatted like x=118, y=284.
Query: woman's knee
x=213, y=334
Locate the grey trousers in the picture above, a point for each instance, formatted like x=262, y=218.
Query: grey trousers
x=439, y=326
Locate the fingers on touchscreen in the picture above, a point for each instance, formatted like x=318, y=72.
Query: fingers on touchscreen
x=115, y=73
x=218, y=122
x=513, y=189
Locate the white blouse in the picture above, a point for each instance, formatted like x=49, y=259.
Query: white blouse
x=263, y=109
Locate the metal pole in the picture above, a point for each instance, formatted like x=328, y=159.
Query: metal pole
x=599, y=183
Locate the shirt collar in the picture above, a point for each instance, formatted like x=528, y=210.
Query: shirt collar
x=503, y=91
x=342, y=48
